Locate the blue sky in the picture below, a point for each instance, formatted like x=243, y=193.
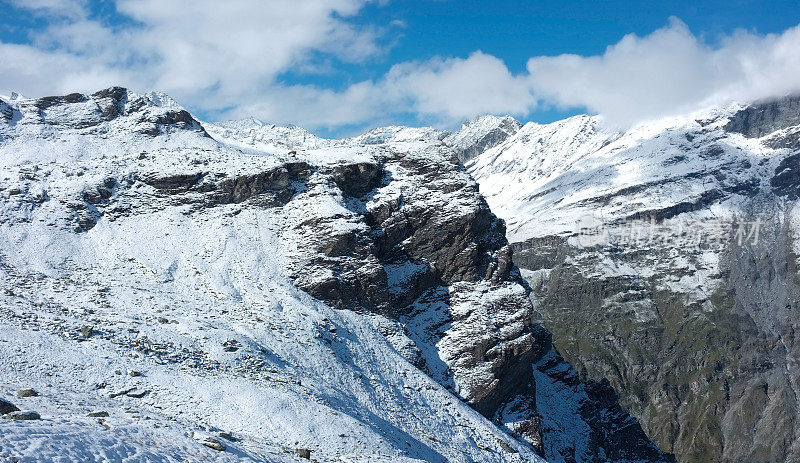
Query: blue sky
x=341, y=66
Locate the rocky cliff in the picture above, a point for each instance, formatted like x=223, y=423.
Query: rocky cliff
x=663, y=259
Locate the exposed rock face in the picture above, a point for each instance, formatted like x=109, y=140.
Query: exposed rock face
x=786, y=181
x=23, y=393
x=26, y=415
x=7, y=407
x=422, y=247
x=679, y=301
x=766, y=117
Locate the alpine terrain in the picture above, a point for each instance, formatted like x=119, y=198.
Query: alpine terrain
x=663, y=259
x=174, y=290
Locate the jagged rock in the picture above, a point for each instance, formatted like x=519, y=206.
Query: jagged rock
x=786, y=181
x=227, y=436
x=6, y=111
x=303, y=453
x=27, y=393
x=231, y=345
x=762, y=118
x=87, y=331
x=121, y=392
x=357, y=179
x=98, y=414
x=7, y=407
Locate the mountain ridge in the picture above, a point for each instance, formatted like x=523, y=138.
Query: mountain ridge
x=683, y=297
x=364, y=285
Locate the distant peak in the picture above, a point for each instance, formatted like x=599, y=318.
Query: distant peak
x=490, y=119
x=152, y=113
x=14, y=96
x=249, y=122
x=481, y=133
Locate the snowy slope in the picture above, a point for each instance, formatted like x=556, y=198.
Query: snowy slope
x=270, y=138
x=546, y=177
x=134, y=242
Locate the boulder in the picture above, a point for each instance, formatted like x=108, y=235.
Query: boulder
x=208, y=441
x=22, y=393
x=7, y=407
x=22, y=415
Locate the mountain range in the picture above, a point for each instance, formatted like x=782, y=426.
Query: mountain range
x=241, y=291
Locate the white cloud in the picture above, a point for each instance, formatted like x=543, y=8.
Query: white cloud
x=442, y=91
x=68, y=8
x=668, y=72
x=665, y=73
x=453, y=89
x=207, y=53
x=226, y=57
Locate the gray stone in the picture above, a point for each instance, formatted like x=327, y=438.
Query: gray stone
x=137, y=393
x=22, y=416
x=208, y=441
x=22, y=393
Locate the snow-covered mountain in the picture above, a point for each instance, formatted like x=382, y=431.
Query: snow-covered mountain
x=663, y=258
x=175, y=291
x=479, y=134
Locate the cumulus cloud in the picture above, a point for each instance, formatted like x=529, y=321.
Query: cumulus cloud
x=204, y=51
x=668, y=72
x=440, y=91
x=665, y=73
x=227, y=58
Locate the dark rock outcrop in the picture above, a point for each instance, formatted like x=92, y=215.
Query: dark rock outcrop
x=23, y=393
x=786, y=181
x=7, y=407
x=422, y=252
x=762, y=118
x=22, y=416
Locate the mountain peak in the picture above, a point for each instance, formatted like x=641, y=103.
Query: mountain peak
x=481, y=133
x=117, y=108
